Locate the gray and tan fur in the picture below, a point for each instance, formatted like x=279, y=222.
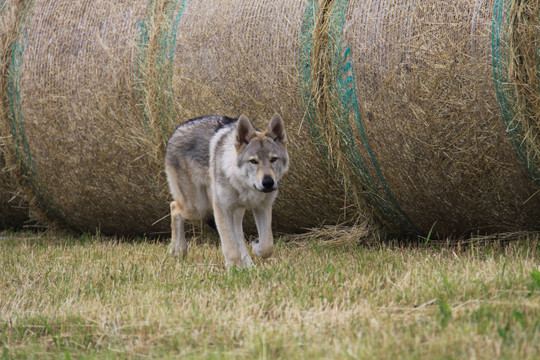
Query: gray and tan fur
x=221, y=167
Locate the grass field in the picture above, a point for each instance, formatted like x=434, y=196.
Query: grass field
x=92, y=297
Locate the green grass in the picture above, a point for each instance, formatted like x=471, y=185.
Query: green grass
x=92, y=297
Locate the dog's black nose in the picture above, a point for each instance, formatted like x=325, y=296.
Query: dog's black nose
x=268, y=183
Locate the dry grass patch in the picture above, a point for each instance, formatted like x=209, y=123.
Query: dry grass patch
x=68, y=297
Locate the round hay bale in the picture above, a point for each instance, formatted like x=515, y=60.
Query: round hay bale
x=240, y=56
x=432, y=110
x=77, y=125
x=13, y=210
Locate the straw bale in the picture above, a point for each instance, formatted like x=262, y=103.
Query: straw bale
x=78, y=128
x=13, y=210
x=419, y=128
x=241, y=56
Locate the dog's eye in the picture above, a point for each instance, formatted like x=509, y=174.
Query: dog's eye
x=274, y=159
x=253, y=161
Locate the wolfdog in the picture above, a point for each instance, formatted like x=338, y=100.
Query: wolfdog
x=219, y=167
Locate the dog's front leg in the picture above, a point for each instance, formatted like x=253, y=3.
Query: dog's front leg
x=264, y=247
x=225, y=225
x=239, y=236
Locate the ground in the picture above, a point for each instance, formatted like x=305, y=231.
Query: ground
x=68, y=297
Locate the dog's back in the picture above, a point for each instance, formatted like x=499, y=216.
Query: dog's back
x=187, y=161
x=191, y=140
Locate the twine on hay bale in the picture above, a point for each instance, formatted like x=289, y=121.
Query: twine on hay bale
x=410, y=114
x=155, y=57
x=516, y=62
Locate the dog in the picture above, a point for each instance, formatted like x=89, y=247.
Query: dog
x=218, y=167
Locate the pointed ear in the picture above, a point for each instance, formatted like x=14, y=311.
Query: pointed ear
x=244, y=132
x=276, y=130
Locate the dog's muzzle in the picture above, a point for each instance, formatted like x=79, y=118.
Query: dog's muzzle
x=268, y=184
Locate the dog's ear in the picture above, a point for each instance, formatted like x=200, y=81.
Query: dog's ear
x=244, y=132
x=276, y=130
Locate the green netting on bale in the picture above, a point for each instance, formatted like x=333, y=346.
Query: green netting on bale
x=165, y=67
x=344, y=90
x=332, y=71
x=513, y=103
x=306, y=68
x=140, y=64
x=154, y=59
x=22, y=148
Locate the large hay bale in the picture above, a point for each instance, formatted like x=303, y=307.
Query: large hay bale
x=97, y=86
x=236, y=57
x=409, y=105
x=78, y=129
x=241, y=56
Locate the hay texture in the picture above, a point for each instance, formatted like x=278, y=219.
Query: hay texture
x=410, y=105
x=13, y=209
x=516, y=61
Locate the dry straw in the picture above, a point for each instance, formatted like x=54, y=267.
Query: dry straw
x=13, y=210
x=410, y=110
x=517, y=64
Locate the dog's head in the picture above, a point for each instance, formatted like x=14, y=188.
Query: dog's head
x=262, y=155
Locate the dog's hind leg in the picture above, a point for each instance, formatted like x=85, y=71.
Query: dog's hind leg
x=178, y=236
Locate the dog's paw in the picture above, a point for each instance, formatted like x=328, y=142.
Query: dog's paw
x=262, y=251
x=178, y=251
x=244, y=263
x=247, y=263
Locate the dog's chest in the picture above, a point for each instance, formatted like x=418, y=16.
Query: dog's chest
x=253, y=199
x=249, y=199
